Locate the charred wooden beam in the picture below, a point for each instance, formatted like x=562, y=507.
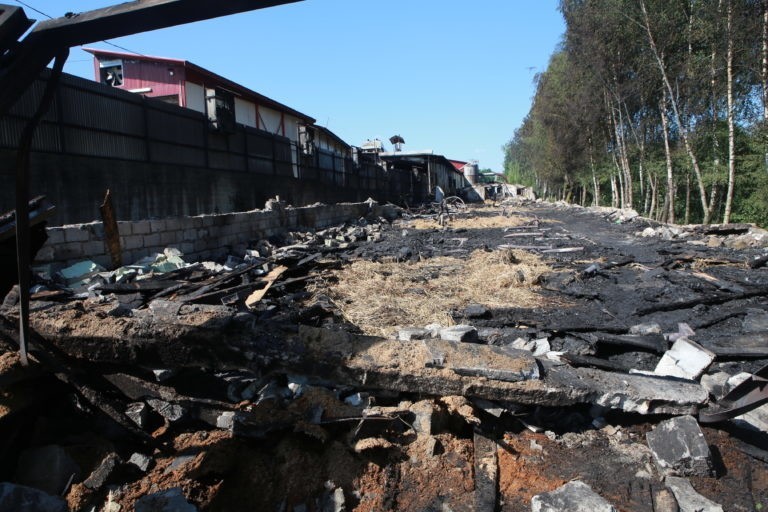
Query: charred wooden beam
x=709, y=300
x=651, y=342
x=13, y=24
x=49, y=37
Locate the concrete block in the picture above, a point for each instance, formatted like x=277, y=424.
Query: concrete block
x=157, y=225
x=47, y=468
x=169, y=238
x=125, y=228
x=132, y=242
x=189, y=234
x=152, y=240
x=55, y=235
x=141, y=461
x=187, y=247
x=173, y=224
x=141, y=227
x=679, y=447
x=687, y=498
x=575, y=496
x=685, y=360
x=197, y=222
x=76, y=234
x=18, y=497
x=93, y=248
x=412, y=333
x=461, y=332
x=208, y=220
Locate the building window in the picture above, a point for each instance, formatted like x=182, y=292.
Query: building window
x=221, y=109
x=111, y=72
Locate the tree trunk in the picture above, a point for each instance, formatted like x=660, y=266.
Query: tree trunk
x=595, y=184
x=678, y=118
x=687, y=199
x=731, y=131
x=669, y=202
x=764, y=72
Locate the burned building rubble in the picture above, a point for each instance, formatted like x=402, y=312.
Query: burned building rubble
x=526, y=356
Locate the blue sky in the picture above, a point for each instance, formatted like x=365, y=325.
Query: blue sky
x=453, y=77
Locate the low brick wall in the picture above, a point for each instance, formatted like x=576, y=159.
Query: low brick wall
x=199, y=238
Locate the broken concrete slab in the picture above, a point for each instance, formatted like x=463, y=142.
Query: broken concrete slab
x=138, y=412
x=484, y=371
x=15, y=498
x=687, y=498
x=715, y=383
x=48, y=468
x=412, y=333
x=686, y=360
x=461, y=333
x=575, y=496
x=141, y=461
x=643, y=394
x=497, y=363
x=101, y=475
x=168, y=410
x=476, y=311
x=679, y=447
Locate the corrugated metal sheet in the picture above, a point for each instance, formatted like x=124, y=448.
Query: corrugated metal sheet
x=175, y=127
x=79, y=141
x=163, y=153
x=259, y=144
x=79, y=108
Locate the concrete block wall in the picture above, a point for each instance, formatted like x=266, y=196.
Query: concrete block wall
x=199, y=238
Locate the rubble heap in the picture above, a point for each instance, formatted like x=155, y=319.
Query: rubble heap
x=630, y=375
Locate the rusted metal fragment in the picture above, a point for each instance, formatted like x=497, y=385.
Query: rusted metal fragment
x=111, y=232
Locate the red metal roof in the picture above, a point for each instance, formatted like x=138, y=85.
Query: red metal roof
x=458, y=164
x=202, y=72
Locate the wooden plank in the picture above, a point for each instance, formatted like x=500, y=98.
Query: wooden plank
x=486, y=473
x=270, y=278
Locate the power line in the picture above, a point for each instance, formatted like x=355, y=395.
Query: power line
x=38, y=11
x=33, y=9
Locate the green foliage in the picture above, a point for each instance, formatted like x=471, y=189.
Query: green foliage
x=597, y=112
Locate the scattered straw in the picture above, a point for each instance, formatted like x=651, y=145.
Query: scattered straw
x=470, y=220
x=378, y=297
